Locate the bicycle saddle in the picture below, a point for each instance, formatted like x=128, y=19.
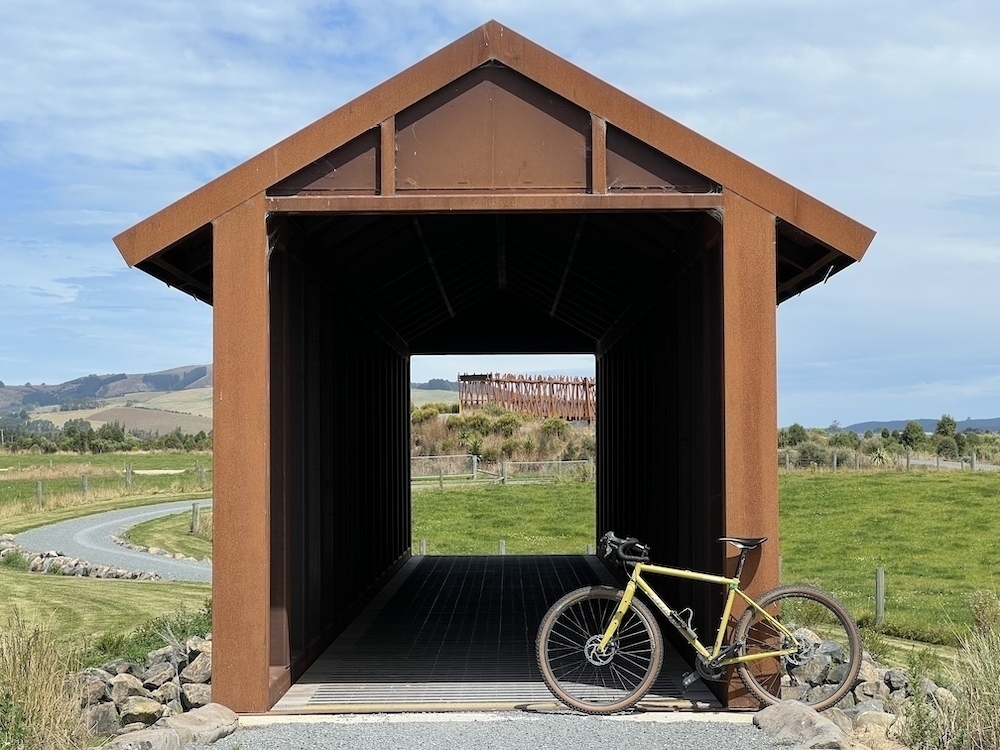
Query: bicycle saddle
x=744, y=542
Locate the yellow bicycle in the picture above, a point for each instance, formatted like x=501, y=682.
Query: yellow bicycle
x=600, y=648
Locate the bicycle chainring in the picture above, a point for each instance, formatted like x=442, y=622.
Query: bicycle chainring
x=708, y=672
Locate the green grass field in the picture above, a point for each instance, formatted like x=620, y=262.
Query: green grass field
x=535, y=519
x=77, y=609
x=173, y=533
x=936, y=534
x=61, y=478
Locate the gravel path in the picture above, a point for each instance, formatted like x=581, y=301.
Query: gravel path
x=498, y=731
x=89, y=538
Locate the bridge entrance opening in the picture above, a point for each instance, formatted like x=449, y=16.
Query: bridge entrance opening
x=354, y=298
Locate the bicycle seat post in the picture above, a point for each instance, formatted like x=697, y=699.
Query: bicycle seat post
x=744, y=545
x=739, y=565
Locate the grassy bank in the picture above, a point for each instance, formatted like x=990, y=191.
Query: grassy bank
x=173, y=533
x=155, y=477
x=936, y=534
x=76, y=609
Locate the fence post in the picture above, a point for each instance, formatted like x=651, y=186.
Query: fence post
x=590, y=549
x=937, y=461
x=502, y=547
x=835, y=461
x=38, y=495
x=788, y=460
x=201, y=476
x=879, y=595
x=972, y=461
x=84, y=481
x=195, y=508
x=423, y=546
x=907, y=459
x=441, y=478
x=475, y=466
x=857, y=460
x=503, y=472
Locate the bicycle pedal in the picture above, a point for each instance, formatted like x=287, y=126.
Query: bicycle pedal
x=689, y=679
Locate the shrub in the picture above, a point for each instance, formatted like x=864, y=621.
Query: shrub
x=476, y=422
x=161, y=631
x=985, y=609
x=418, y=416
x=554, y=427
x=15, y=561
x=811, y=453
x=509, y=447
x=474, y=443
x=506, y=424
x=947, y=448
x=38, y=711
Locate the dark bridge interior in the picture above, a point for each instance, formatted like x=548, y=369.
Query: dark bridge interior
x=354, y=296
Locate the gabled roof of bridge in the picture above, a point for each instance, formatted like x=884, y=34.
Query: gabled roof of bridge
x=818, y=239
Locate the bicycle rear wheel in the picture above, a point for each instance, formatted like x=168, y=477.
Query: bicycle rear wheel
x=826, y=664
x=572, y=668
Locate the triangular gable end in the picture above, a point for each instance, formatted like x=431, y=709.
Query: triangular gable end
x=557, y=94
x=494, y=130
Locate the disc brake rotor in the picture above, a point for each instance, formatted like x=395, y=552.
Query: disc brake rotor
x=594, y=656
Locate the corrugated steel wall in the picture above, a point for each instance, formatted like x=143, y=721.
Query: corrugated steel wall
x=660, y=470
x=340, y=463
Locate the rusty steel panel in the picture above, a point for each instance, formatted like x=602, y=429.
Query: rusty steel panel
x=750, y=396
x=353, y=168
x=240, y=582
x=633, y=166
x=492, y=130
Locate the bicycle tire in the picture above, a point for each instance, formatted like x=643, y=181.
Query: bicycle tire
x=590, y=682
x=827, y=663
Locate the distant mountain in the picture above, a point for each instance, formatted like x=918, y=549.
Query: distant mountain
x=98, y=387
x=993, y=425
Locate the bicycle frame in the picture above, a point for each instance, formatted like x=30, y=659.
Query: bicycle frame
x=712, y=656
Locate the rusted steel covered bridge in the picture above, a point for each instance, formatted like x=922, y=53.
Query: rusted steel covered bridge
x=491, y=179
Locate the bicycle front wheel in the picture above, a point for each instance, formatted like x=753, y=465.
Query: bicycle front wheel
x=576, y=672
x=825, y=665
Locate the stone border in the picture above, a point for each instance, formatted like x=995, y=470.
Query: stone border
x=121, y=542
x=53, y=562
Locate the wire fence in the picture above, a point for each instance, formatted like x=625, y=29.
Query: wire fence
x=441, y=469
x=848, y=460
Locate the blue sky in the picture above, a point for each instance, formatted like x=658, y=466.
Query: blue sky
x=888, y=111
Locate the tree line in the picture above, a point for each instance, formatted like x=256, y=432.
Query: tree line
x=21, y=434
x=819, y=446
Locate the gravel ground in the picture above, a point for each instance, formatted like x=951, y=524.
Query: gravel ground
x=498, y=731
x=89, y=538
